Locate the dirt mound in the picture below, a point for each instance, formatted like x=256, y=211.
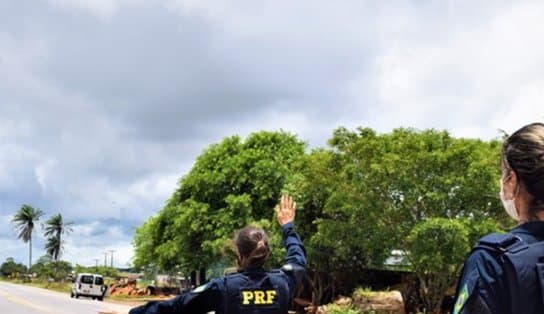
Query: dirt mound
x=128, y=288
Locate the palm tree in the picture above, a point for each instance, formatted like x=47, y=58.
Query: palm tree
x=53, y=248
x=55, y=227
x=24, y=220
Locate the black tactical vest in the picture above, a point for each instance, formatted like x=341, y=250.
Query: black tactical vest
x=257, y=292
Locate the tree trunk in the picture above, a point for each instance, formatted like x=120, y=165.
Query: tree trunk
x=202, y=276
x=29, y=253
x=58, y=255
x=322, y=288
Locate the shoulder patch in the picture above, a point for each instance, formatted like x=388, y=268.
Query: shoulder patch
x=287, y=267
x=461, y=300
x=200, y=289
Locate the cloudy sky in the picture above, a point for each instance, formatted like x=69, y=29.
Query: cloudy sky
x=105, y=104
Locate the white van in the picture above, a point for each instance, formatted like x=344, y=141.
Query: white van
x=88, y=285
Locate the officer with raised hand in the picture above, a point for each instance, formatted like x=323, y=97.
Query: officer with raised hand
x=252, y=289
x=504, y=273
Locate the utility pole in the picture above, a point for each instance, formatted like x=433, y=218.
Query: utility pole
x=111, y=257
x=105, y=259
x=96, y=261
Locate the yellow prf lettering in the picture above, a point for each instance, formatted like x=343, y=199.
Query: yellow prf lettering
x=247, y=296
x=258, y=297
x=270, y=295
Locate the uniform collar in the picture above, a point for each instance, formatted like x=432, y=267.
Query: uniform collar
x=252, y=269
x=534, y=228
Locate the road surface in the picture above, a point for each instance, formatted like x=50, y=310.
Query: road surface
x=19, y=299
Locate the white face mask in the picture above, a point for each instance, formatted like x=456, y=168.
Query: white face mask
x=509, y=205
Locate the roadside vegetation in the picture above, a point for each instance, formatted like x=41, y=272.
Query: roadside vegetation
x=50, y=274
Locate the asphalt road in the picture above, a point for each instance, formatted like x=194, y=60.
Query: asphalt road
x=19, y=299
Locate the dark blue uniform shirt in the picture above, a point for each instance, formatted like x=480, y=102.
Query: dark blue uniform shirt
x=248, y=291
x=483, y=286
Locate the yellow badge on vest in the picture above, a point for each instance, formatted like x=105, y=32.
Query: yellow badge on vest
x=251, y=297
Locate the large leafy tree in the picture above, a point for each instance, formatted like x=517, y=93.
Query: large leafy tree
x=368, y=191
x=391, y=182
x=55, y=227
x=25, y=220
x=233, y=183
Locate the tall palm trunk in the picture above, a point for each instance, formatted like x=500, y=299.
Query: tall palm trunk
x=57, y=257
x=29, y=253
x=25, y=220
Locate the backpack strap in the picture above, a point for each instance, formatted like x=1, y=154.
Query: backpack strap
x=226, y=296
x=501, y=243
x=523, y=262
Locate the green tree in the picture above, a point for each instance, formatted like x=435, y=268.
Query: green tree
x=53, y=247
x=231, y=184
x=25, y=220
x=315, y=178
x=55, y=227
x=105, y=271
x=405, y=177
x=40, y=267
x=45, y=267
x=437, y=248
x=144, y=242
x=366, y=193
x=10, y=267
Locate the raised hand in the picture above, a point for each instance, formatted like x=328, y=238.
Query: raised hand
x=285, y=211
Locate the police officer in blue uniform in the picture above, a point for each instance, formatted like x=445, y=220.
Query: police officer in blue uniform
x=504, y=273
x=252, y=289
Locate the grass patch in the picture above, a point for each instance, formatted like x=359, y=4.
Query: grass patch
x=337, y=309
x=366, y=292
x=137, y=298
x=66, y=287
x=45, y=284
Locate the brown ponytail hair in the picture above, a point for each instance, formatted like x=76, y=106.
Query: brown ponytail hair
x=252, y=245
x=523, y=153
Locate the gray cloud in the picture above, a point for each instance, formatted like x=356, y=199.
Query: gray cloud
x=105, y=104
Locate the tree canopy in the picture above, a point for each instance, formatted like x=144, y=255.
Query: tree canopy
x=11, y=268
x=25, y=220
x=55, y=227
x=231, y=184
x=381, y=186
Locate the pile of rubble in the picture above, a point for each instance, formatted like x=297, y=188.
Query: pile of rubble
x=129, y=288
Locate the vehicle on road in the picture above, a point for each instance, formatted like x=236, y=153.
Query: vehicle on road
x=88, y=285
